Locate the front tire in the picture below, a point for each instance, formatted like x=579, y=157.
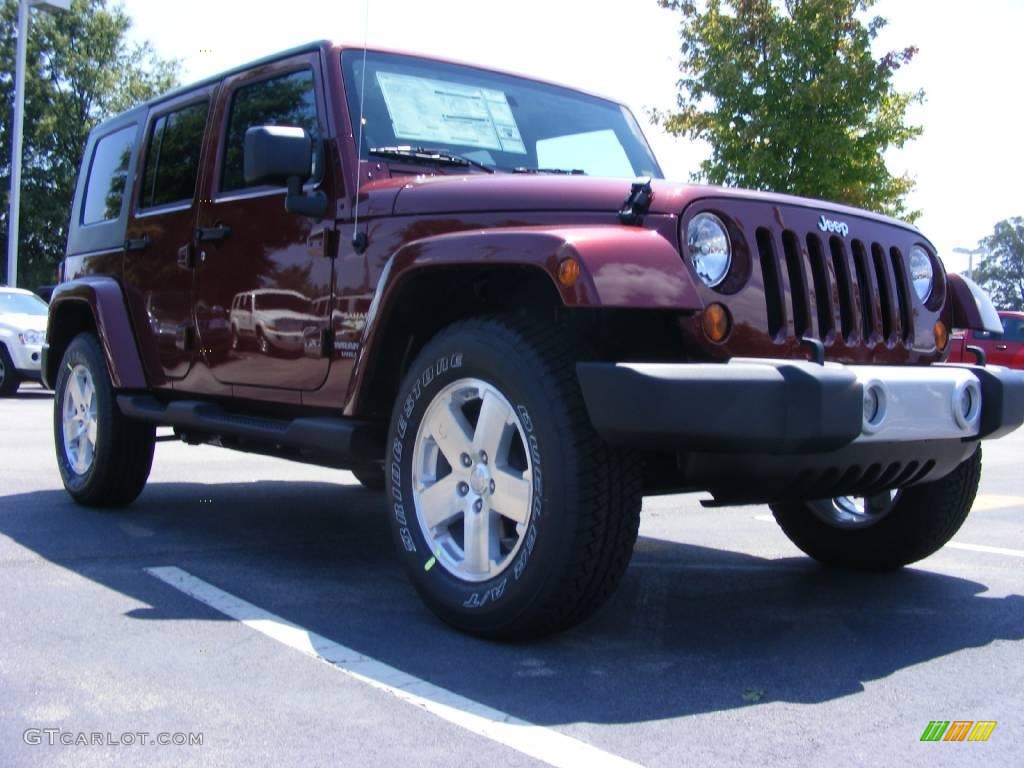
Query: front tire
x=9, y=378
x=883, y=533
x=512, y=517
x=103, y=457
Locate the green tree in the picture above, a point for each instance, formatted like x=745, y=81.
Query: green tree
x=1001, y=271
x=791, y=99
x=81, y=69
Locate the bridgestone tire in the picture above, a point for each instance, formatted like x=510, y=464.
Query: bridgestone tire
x=9, y=378
x=123, y=453
x=923, y=518
x=585, y=496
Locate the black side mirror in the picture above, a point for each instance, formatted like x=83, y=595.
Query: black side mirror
x=283, y=154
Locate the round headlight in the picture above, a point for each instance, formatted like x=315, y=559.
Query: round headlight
x=709, y=247
x=922, y=272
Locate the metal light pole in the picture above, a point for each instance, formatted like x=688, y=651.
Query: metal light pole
x=970, y=253
x=19, y=109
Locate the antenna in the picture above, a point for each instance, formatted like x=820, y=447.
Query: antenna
x=359, y=239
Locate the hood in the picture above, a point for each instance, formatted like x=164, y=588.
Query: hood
x=472, y=193
x=16, y=322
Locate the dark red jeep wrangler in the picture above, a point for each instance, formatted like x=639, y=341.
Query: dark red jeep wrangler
x=475, y=290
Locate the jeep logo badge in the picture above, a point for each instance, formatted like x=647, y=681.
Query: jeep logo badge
x=828, y=225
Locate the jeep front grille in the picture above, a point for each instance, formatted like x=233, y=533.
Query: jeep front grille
x=827, y=287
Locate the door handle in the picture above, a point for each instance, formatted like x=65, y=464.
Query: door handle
x=205, y=234
x=1001, y=347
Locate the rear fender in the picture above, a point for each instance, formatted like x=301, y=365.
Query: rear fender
x=103, y=299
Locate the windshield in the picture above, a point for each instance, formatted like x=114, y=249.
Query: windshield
x=285, y=301
x=504, y=122
x=21, y=304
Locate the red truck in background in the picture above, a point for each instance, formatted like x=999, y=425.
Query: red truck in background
x=1006, y=348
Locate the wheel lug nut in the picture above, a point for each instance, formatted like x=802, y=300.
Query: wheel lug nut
x=466, y=461
x=492, y=486
x=483, y=456
x=478, y=505
x=463, y=489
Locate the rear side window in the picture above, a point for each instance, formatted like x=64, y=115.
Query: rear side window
x=172, y=156
x=108, y=175
x=288, y=100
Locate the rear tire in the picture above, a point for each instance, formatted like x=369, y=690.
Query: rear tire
x=921, y=519
x=9, y=378
x=104, y=458
x=534, y=517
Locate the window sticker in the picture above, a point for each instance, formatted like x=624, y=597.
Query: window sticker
x=447, y=113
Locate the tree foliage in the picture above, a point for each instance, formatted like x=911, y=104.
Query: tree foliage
x=790, y=98
x=80, y=69
x=1001, y=271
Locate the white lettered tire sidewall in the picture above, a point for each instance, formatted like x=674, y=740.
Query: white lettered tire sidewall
x=484, y=607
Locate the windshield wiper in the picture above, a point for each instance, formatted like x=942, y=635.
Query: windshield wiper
x=560, y=171
x=428, y=155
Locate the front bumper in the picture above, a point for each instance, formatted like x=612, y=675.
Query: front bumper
x=26, y=358
x=785, y=422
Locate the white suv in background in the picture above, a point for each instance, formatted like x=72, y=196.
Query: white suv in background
x=22, y=333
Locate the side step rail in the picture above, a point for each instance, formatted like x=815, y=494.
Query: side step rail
x=318, y=439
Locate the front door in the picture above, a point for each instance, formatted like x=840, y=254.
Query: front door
x=263, y=290
x=158, y=272
x=1006, y=348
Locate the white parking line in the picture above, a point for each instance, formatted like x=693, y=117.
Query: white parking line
x=546, y=745
x=989, y=550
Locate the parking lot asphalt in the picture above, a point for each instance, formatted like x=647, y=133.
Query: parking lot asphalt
x=723, y=646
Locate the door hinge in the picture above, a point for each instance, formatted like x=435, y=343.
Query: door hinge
x=187, y=256
x=322, y=243
x=326, y=342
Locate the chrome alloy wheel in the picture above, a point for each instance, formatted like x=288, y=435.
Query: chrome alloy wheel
x=79, y=420
x=472, y=480
x=855, y=511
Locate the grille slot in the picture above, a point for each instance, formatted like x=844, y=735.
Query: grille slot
x=797, y=283
x=844, y=283
x=773, y=298
x=899, y=269
x=867, y=294
x=885, y=299
x=822, y=287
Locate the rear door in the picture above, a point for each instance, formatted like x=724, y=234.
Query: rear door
x=248, y=244
x=158, y=270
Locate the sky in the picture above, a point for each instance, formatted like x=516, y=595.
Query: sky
x=969, y=163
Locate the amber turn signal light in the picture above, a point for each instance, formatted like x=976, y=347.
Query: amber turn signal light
x=941, y=335
x=568, y=272
x=716, y=322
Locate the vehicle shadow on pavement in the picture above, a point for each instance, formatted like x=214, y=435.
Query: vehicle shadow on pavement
x=692, y=629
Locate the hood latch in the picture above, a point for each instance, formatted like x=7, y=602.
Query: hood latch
x=638, y=203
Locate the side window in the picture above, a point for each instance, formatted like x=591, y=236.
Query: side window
x=1013, y=329
x=108, y=175
x=172, y=156
x=288, y=100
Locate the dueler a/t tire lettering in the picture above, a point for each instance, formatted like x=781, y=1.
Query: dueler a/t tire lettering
x=576, y=540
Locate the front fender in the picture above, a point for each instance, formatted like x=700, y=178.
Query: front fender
x=969, y=306
x=103, y=299
x=620, y=267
